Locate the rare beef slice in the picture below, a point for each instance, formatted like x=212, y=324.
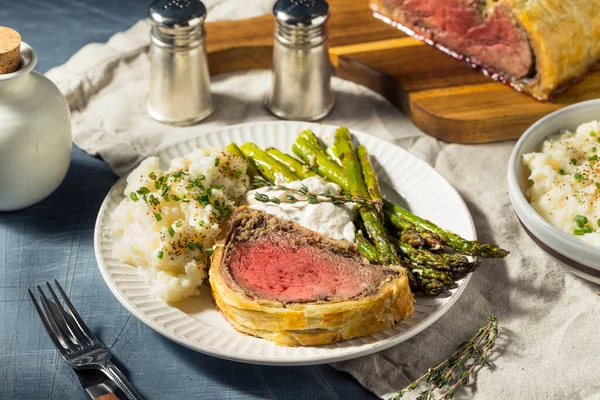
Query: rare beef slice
x=537, y=46
x=277, y=280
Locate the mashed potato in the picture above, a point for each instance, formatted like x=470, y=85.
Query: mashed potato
x=565, y=178
x=169, y=219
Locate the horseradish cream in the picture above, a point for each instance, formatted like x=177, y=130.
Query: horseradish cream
x=326, y=218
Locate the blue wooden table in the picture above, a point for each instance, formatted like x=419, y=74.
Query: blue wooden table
x=54, y=240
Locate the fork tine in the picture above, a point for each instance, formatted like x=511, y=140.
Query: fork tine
x=84, y=328
x=73, y=328
x=53, y=335
x=57, y=321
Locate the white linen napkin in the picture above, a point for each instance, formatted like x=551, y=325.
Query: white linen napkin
x=549, y=318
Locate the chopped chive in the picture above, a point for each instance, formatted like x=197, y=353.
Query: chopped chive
x=191, y=245
x=164, y=191
x=158, y=217
x=592, y=133
x=573, y=161
x=598, y=222
x=201, y=223
x=167, y=199
x=178, y=224
x=598, y=185
x=209, y=250
x=217, y=162
x=238, y=173
x=598, y=139
x=587, y=229
x=561, y=171
x=594, y=149
x=216, y=187
x=133, y=196
x=578, y=232
x=171, y=231
x=152, y=175
x=578, y=177
x=581, y=220
x=177, y=174
x=202, y=177
x=175, y=197
x=593, y=158
x=160, y=254
x=143, y=190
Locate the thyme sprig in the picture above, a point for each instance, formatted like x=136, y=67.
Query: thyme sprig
x=451, y=374
x=305, y=195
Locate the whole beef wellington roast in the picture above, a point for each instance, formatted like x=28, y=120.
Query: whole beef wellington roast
x=280, y=281
x=537, y=46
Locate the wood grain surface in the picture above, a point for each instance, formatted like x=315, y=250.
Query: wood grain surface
x=444, y=97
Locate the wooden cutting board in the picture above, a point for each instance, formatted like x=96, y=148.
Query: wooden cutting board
x=444, y=97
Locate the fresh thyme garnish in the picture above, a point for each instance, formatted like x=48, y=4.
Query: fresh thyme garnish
x=304, y=194
x=454, y=372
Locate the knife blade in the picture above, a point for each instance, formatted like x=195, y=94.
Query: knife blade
x=96, y=385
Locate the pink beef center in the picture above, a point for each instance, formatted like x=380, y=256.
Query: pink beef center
x=492, y=40
x=272, y=269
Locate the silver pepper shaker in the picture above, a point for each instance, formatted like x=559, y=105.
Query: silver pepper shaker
x=301, y=68
x=179, y=76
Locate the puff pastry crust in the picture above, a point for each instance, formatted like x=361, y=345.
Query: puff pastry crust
x=565, y=38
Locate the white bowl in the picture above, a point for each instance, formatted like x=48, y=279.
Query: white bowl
x=580, y=257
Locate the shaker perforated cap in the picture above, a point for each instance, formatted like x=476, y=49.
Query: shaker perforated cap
x=177, y=13
x=301, y=13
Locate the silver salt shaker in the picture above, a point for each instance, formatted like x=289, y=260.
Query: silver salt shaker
x=301, y=68
x=179, y=76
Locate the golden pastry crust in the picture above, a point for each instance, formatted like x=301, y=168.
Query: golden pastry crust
x=565, y=37
x=314, y=323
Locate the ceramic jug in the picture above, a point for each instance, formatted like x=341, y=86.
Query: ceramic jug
x=35, y=135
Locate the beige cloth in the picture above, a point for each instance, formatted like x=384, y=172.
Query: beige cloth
x=549, y=348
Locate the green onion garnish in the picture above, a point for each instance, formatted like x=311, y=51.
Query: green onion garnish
x=217, y=162
x=143, y=190
x=238, y=173
x=164, y=191
x=561, y=171
x=160, y=254
x=209, y=250
x=171, y=231
x=133, y=196
x=158, y=217
x=578, y=177
x=191, y=245
x=587, y=229
x=578, y=232
x=581, y=220
x=592, y=133
x=593, y=158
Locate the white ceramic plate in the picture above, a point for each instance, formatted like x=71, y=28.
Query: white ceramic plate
x=196, y=323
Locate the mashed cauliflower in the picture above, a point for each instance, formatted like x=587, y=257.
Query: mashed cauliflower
x=565, y=178
x=169, y=219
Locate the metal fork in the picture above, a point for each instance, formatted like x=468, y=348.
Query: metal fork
x=76, y=344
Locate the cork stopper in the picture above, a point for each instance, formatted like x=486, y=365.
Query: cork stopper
x=10, y=50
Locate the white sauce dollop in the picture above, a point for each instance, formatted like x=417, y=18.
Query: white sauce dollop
x=326, y=218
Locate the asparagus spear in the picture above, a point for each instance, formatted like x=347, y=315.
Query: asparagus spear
x=266, y=165
x=330, y=151
x=357, y=187
x=412, y=235
x=291, y=163
x=314, y=156
x=310, y=137
x=251, y=169
x=369, y=174
x=366, y=247
x=429, y=273
x=471, y=247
